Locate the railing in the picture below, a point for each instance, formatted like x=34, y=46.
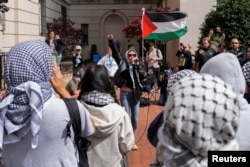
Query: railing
x=2, y=62
x=67, y=74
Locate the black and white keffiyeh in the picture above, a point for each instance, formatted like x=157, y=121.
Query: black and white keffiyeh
x=177, y=76
x=202, y=114
x=246, y=72
x=97, y=98
x=27, y=72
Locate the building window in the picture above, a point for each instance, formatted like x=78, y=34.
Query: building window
x=64, y=12
x=121, y=1
x=85, y=29
x=42, y=17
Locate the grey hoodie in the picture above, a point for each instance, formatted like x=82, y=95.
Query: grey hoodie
x=227, y=67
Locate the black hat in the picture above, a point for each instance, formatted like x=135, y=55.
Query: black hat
x=76, y=74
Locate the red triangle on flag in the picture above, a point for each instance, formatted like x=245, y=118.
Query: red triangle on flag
x=147, y=26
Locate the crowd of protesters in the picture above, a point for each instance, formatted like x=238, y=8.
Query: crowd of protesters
x=34, y=116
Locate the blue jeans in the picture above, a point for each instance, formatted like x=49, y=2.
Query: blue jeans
x=131, y=106
x=163, y=98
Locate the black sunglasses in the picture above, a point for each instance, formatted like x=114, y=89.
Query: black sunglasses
x=129, y=55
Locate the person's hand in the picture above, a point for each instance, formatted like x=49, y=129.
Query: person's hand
x=58, y=83
x=201, y=51
x=110, y=36
x=2, y=94
x=211, y=32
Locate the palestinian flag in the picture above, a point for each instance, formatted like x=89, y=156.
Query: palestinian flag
x=163, y=26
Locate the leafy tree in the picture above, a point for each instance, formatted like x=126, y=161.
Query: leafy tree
x=233, y=17
x=70, y=35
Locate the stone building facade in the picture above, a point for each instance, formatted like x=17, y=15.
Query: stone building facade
x=26, y=19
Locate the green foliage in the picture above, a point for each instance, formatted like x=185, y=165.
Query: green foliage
x=66, y=31
x=233, y=17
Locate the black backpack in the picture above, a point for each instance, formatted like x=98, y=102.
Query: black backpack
x=81, y=142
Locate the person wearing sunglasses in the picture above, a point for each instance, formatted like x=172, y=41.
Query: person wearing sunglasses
x=127, y=78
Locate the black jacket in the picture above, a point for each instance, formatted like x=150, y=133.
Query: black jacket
x=205, y=56
x=239, y=54
x=188, y=55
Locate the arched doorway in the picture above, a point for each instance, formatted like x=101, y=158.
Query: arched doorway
x=113, y=24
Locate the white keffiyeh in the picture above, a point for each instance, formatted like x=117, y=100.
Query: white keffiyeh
x=202, y=114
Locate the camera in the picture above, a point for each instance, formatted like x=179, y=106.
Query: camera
x=182, y=46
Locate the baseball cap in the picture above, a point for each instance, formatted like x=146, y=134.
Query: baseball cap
x=76, y=74
x=78, y=47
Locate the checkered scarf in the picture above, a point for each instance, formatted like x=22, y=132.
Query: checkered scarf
x=177, y=76
x=98, y=98
x=246, y=72
x=202, y=114
x=27, y=72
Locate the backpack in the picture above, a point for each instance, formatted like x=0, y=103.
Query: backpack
x=81, y=142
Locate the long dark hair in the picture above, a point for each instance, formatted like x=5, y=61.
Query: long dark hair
x=96, y=78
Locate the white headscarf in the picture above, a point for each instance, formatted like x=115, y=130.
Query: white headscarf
x=227, y=67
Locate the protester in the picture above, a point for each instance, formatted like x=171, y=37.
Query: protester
x=237, y=50
x=154, y=58
x=163, y=91
x=204, y=53
x=114, y=136
x=230, y=71
x=201, y=114
x=247, y=59
x=184, y=57
x=109, y=62
x=216, y=37
x=127, y=78
x=157, y=122
x=72, y=85
x=246, y=73
x=55, y=44
x=78, y=60
x=33, y=131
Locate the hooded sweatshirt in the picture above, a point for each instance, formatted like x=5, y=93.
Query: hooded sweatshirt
x=113, y=138
x=227, y=67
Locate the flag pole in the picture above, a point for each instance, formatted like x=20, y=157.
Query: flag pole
x=142, y=41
